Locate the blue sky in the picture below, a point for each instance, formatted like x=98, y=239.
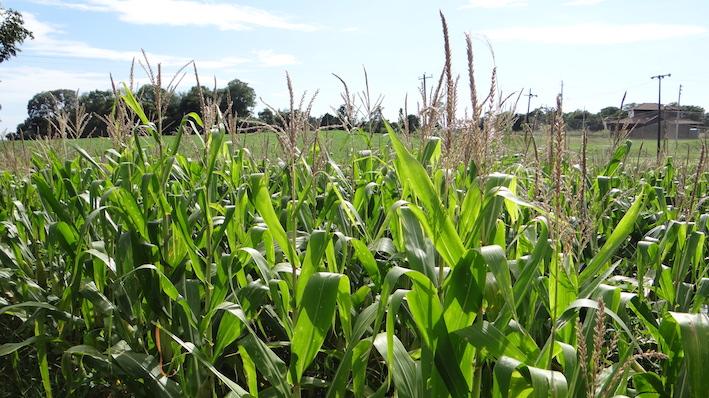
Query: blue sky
x=599, y=48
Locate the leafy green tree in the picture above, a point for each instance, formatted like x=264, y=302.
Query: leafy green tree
x=243, y=97
x=629, y=106
x=375, y=124
x=12, y=33
x=414, y=122
x=518, y=122
x=267, y=116
x=541, y=116
x=43, y=107
x=329, y=121
x=612, y=112
x=168, y=102
x=190, y=101
x=692, y=112
x=98, y=104
x=574, y=120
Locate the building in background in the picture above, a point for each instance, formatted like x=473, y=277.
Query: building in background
x=642, y=120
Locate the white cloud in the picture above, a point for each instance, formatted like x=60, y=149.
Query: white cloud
x=594, y=33
x=48, y=42
x=271, y=58
x=222, y=15
x=583, y=2
x=495, y=3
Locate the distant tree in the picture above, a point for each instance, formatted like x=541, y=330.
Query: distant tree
x=345, y=118
x=518, y=123
x=579, y=119
x=169, y=103
x=612, y=112
x=375, y=124
x=190, y=101
x=43, y=107
x=12, y=33
x=414, y=122
x=629, y=106
x=98, y=104
x=329, y=121
x=267, y=116
x=691, y=112
x=243, y=97
x=541, y=116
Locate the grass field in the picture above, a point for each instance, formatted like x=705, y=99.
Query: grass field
x=261, y=145
x=340, y=144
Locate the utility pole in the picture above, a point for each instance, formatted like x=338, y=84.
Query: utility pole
x=659, y=109
x=423, y=78
x=425, y=93
x=529, y=102
x=679, y=113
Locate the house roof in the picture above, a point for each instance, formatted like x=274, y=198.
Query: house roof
x=652, y=106
x=634, y=120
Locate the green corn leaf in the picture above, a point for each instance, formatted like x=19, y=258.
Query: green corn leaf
x=484, y=335
x=406, y=372
x=138, y=366
x=413, y=174
x=314, y=254
x=262, y=202
x=267, y=363
x=9, y=348
x=233, y=323
x=694, y=329
x=134, y=104
x=315, y=314
x=616, y=239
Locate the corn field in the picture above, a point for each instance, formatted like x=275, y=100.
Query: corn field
x=151, y=274
x=431, y=266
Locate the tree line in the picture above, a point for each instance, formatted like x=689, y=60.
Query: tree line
x=93, y=107
x=89, y=112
